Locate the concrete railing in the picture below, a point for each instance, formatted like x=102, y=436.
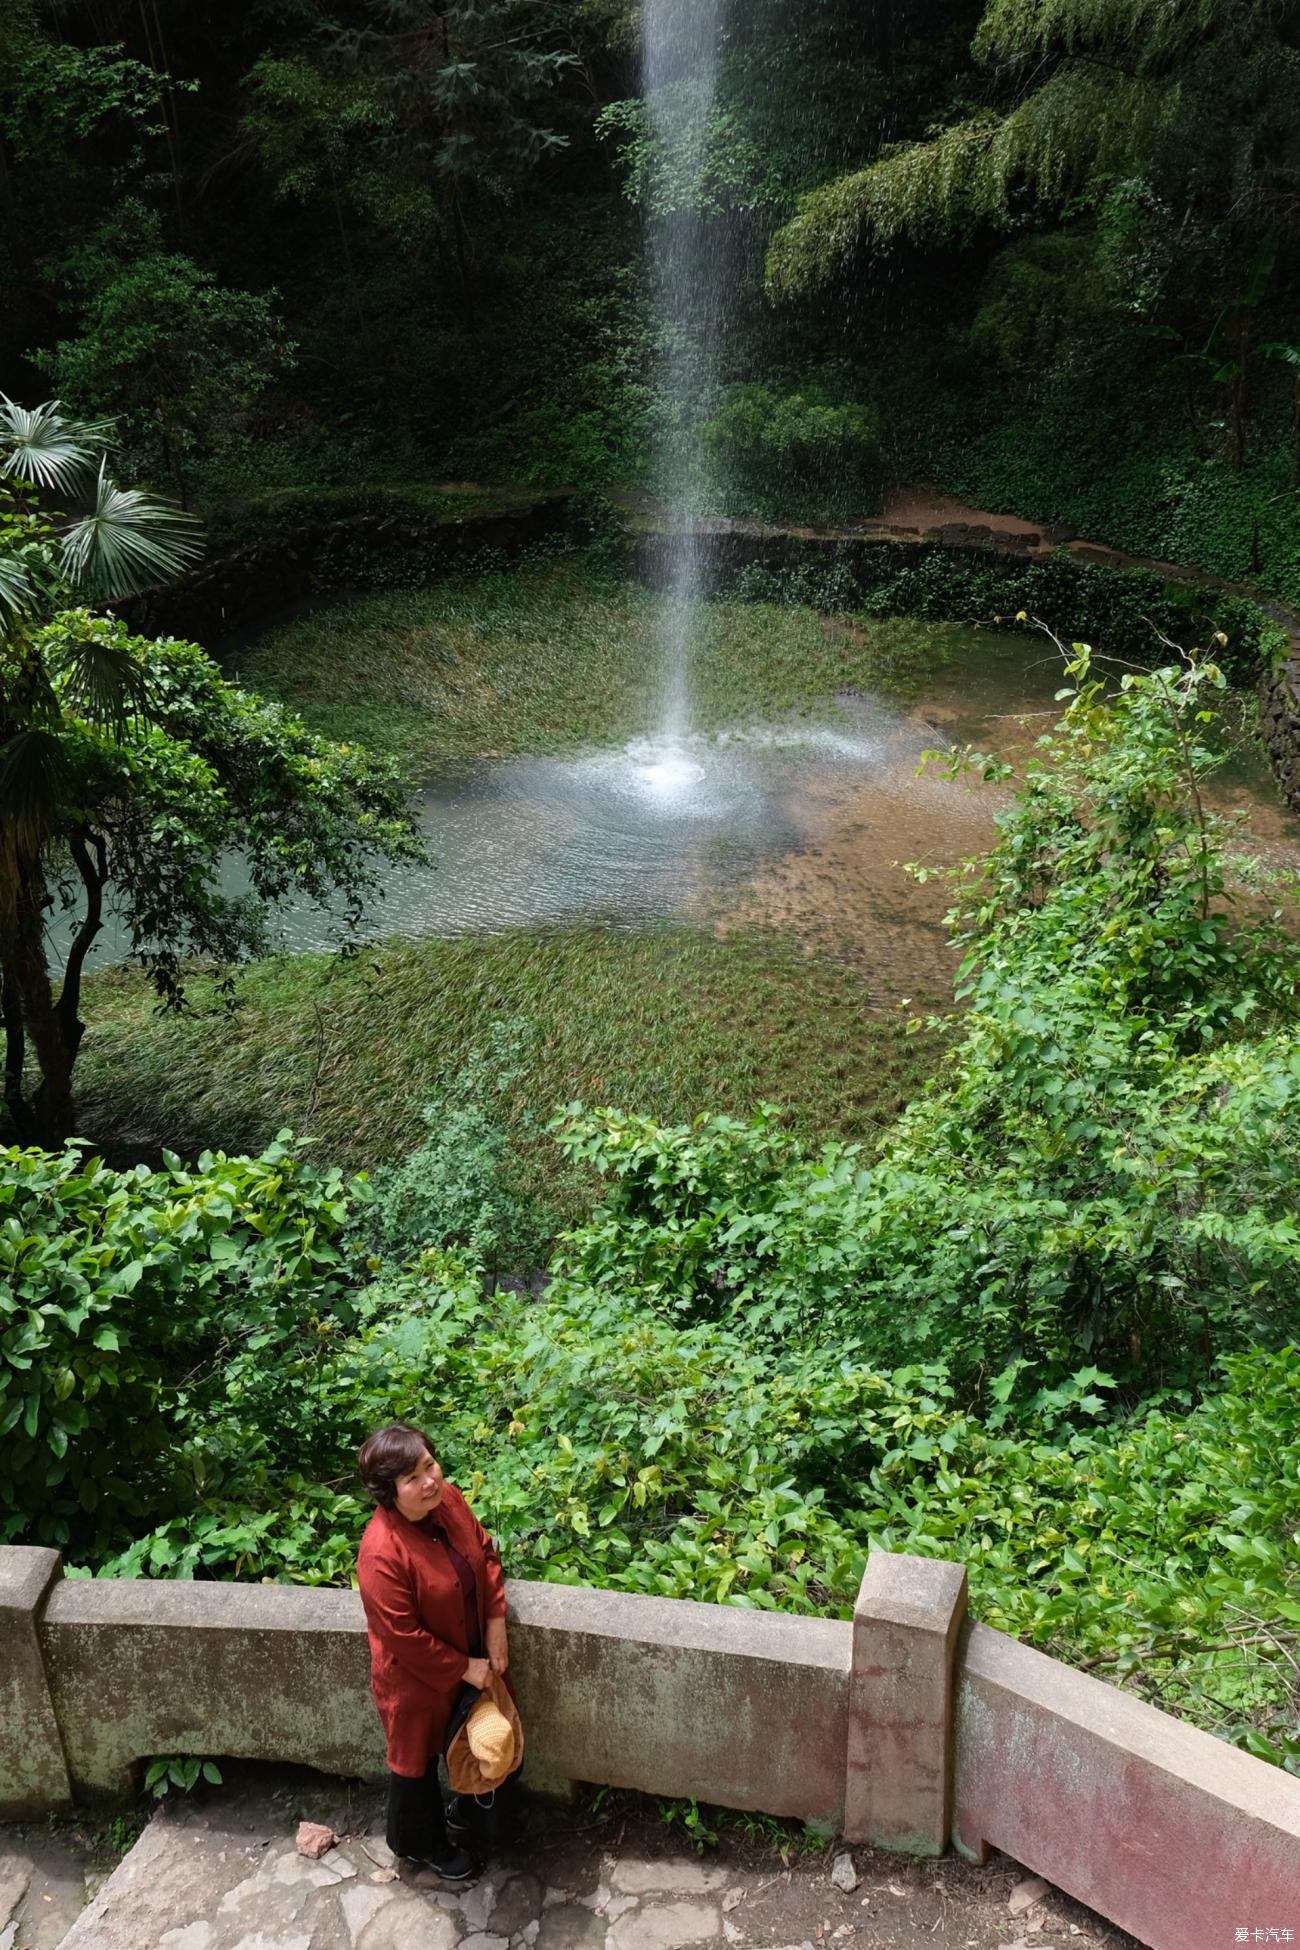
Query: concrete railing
x=908, y=1728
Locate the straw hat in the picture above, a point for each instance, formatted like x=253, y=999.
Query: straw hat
x=488, y=1744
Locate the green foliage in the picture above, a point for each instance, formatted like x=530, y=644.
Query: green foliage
x=55, y=94
x=352, y=1050
x=1040, y=297
x=797, y=453
x=181, y=1772
x=687, y=1814
x=603, y=1445
x=545, y=656
x=460, y=1186
x=118, y=1291
x=1026, y=1335
x=160, y=343
x=132, y=764
x=1104, y=1174
x=1119, y=610
x=1099, y=93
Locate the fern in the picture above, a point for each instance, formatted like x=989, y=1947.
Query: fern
x=1119, y=104
x=1150, y=32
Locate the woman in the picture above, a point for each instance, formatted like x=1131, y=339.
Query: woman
x=435, y=1603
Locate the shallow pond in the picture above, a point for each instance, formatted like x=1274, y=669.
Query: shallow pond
x=805, y=825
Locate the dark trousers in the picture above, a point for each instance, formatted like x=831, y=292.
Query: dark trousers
x=416, y=1823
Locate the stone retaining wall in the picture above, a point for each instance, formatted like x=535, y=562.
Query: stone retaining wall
x=908, y=1728
x=242, y=589
x=1279, y=718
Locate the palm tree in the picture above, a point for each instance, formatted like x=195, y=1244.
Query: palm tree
x=118, y=541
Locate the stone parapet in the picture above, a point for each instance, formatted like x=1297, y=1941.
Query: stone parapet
x=1170, y=1833
x=889, y=1729
x=744, y=1709
x=898, y=1791
x=259, y=1672
x=33, y=1768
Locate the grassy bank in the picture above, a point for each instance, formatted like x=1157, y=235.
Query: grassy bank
x=553, y=656
x=351, y=1050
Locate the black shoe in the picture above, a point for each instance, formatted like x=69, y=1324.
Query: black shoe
x=451, y=1863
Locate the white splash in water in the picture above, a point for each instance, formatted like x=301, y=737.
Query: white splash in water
x=668, y=778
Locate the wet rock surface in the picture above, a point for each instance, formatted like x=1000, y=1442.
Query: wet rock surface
x=225, y=1874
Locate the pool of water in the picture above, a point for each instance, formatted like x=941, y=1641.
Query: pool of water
x=807, y=826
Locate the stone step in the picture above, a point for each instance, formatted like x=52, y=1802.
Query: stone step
x=46, y=1880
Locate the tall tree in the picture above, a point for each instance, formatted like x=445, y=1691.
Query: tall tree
x=130, y=766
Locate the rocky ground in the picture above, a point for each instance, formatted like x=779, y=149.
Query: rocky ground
x=225, y=1873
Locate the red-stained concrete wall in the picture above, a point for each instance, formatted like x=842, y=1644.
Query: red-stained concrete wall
x=1170, y=1833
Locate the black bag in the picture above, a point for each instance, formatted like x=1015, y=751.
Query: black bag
x=486, y=1824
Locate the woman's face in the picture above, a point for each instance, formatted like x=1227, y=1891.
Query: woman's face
x=420, y=1491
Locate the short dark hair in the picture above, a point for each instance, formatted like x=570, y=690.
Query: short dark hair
x=388, y=1454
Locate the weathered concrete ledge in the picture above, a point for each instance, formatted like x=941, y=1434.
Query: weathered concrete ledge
x=744, y=1709
x=1170, y=1833
x=33, y=1766
x=900, y=1728
x=259, y=1672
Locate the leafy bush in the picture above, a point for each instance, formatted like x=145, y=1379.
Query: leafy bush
x=1106, y=1171
x=119, y=1289
x=1118, y=611
x=461, y=1186
x=799, y=452
x=1050, y=1332
x=605, y=1445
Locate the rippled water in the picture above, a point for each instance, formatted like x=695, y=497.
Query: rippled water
x=805, y=826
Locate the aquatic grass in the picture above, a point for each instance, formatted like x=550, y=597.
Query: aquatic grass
x=349, y=1050
x=554, y=656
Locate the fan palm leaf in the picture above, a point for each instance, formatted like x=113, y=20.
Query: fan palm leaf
x=33, y=781
x=18, y=591
x=128, y=541
x=103, y=682
x=45, y=445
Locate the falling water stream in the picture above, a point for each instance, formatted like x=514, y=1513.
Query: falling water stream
x=679, y=81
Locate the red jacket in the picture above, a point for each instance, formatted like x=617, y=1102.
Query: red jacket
x=415, y=1614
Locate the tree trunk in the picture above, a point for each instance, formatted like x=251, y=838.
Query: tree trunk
x=54, y=1029
x=11, y=1006
x=45, y=1117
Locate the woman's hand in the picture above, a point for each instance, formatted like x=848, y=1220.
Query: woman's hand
x=476, y=1670
x=498, y=1650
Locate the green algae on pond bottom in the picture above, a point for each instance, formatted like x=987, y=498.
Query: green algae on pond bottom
x=668, y=1022
x=552, y=658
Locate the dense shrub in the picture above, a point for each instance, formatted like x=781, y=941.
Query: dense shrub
x=1051, y=1331
x=118, y=1291
x=1105, y=1172
x=1118, y=611
x=461, y=1186
x=800, y=452
x=605, y=1445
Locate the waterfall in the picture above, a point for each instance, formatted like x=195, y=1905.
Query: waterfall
x=679, y=79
